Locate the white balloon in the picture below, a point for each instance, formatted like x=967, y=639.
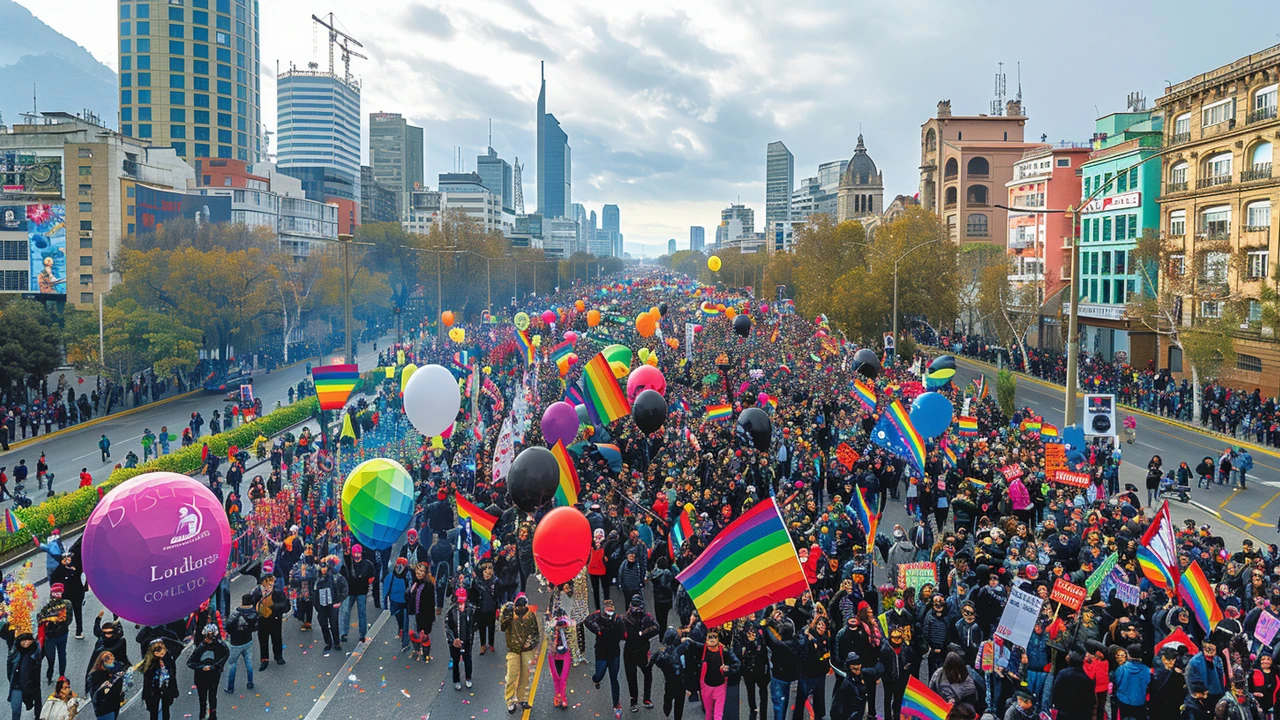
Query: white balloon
x=432, y=400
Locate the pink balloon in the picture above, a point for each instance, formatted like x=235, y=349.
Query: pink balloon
x=571, y=336
x=548, y=317
x=764, y=307
x=175, y=535
x=761, y=399
x=645, y=377
x=697, y=328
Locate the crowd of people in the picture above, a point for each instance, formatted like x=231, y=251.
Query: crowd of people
x=984, y=518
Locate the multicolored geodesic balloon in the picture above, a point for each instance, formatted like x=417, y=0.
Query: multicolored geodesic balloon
x=377, y=502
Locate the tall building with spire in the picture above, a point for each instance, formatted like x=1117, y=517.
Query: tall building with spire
x=861, y=190
x=555, y=167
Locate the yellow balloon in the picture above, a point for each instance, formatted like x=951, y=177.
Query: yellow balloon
x=487, y=369
x=522, y=321
x=537, y=341
x=713, y=263
x=407, y=373
x=619, y=370
x=643, y=353
x=653, y=360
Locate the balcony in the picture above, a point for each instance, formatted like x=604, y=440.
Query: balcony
x=977, y=203
x=977, y=233
x=1214, y=181
x=1175, y=187
x=1256, y=228
x=1215, y=234
x=1261, y=171
x=949, y=206
x=1262, y=115
x=979, y=176
x=1179, y=138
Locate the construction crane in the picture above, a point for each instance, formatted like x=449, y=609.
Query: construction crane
x=341, y=40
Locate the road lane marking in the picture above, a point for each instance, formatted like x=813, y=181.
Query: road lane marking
x=1208, y=509
x=537, y=675
x=340, y=677
x=1265, y=504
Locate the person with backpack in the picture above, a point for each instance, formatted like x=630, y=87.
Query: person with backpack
x=716, y=665
x=1244, y=465
x=272, y=604
x=240, y=628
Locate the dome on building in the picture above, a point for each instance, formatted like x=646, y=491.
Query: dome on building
x=861, y=169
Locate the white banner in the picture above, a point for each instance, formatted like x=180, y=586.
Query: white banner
x=688, y=341
x=504, y=453
x=1019, y=618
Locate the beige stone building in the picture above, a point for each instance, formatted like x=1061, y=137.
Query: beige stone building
x=861, y=191
x=1221, y=129
x=965, y=163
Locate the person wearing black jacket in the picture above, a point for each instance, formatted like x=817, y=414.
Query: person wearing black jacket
x=607, y=627
x=638, y=627
x=896, y=661
x=748, y=645
x=55, y=619
x=1167, y=688
x=23, y=670
x=460, y=633
x=815, y=663
x=849, y=698
x=159, y=680
x=110, y=639
x=936, y=629
x=207, y=660
x=484, y=596
x=664, y=587
x=670, y=662
x=1073, y=690
x=105, y=686
x=441, y=558
x=240, y=628
x=784, y=660
x=361, y=575
x=330, y=592
x=68, y=575
x=272, y=604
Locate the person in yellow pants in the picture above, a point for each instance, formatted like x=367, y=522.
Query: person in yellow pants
x=520, y=628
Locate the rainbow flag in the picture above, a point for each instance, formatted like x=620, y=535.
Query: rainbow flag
x=949, y=455
x=574, y=396
x=862, y=513
x=968, y=425
x=334, y=384
x=896, y=433
x=567, y=491
x=11, y=522
x=719, y=412
x=605, y=401
x=525, y=344
x=1153, y=569
x=1198, y=593
x=1030, y=425
x=750, y=565
x=922, y=703
x=562, y=350
x=772, y=402
x=480, y=521
x=682, y=530
x=1049, y=432
x=709, y=309
x=865, y=395
x=980, y=388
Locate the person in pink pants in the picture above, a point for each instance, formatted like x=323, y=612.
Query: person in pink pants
x=559, y=657
x=717, y=664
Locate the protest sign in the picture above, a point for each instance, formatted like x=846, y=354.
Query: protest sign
x=1011, y=472
x=1129, y=594
x=1019, y=618
x=1055, y=459
x=915, y=575
x=1266, y=629
x=1074, y=479
x=1072, y=596
x=1096, y=577
x=847, y=455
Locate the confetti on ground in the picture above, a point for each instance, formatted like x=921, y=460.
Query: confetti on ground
x=405, y=692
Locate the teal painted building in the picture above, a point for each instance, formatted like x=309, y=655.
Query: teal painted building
x=1110, y=226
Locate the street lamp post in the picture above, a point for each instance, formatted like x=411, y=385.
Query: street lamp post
x=346, y=241
x=895, y=286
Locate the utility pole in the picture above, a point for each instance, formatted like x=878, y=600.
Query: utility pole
x=1073, y=325
x=895, y=286
x=439, y=303
x=102, y=343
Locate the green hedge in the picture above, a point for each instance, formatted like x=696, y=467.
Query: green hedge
x=76, y=506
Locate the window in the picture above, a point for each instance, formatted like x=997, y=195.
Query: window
x=1106, y=262
x=175, y=14
x=1064, y=162
x=1258, y=215
x=86, y=261
x=177, y=65
x=979, y=166
x=1264, y=104
x=1218, y=166
x=1249, y=363
x=1211, y=309
x=977, y=195
x=86, y=207
x=86, y=190
x=144, y=113
x=1106, y=230
x=1178, y=223
x=1217, y=222
x=1119, y=266
x=1261, y=155
x=1257, y=265
x=1215, y=267
x=1175, y=359
x=86, y=279
x=86, y=224
x=1218, y=112
x=976, y=225
x=86, y=243
x=144, y=79
x=178, y=131
x=176, y=31
x=177, y=47
x=1133, y=227
x=144, y=130
x=1255, y=311
x=177, y=97
x=1122, y=184
x=85, y=170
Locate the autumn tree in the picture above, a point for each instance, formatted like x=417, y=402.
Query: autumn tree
x=824, y=251
x=134, y=339
x=1009, y=309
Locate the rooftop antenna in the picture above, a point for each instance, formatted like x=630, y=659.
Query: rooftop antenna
x=997, y=105
x=1136, y=101
x=490, y=133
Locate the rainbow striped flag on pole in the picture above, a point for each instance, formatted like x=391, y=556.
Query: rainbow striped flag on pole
x=967, y=425
x=718, y=413
x=922, y=703
x=481, y=523
x=1198, y=593
x=681, y=531
x=567, y=491
x=525, y=344
x=896, y=433
x=980, y=388
x=334, y=384
x=605, y=401
x=865, y=395
x=11, y=522
x=750, y=565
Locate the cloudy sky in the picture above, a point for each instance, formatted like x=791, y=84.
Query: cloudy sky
x=669, y=104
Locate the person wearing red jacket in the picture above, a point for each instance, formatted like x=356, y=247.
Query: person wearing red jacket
x=596, y=568
x=85, y=478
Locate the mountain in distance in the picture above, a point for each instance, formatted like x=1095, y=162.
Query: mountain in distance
x=66, y=77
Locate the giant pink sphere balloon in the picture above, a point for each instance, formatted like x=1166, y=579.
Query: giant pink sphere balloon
x=156, y=547
x=548, y=317
x=645, y=377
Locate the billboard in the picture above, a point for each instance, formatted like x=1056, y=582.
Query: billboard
x=13, y=218
x=156, y=207
x=47, y=248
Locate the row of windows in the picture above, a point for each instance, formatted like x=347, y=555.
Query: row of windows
x=1107, y=292
x=1219, y=166
x=1216, y=221
x=1126, y=182
x=1263, y=105
x=1106, y=229
x=1105, y=263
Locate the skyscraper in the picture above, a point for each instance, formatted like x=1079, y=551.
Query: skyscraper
x=496, y=174
x=671, y=246
x=746, y=224
x=697, y=238
x=395, y=154
x=555, y=167
x=779, y=177
x=611, y=226
x=579, y=216
x=319, y=138
x=189, y=77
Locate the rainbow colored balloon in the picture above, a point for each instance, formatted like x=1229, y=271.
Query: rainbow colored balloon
x=377, y=502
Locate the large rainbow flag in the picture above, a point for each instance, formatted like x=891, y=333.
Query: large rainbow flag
x=1158, y=545
x=1198, y=593
x=567, y=491
x=750, y=565
x=865, y=395
x=526, y=346
x=1153, y=569
x=719, y=412
x=562, y=350
x=605, y=401
x=481, y=523
x=920, y=702
x=967, y=425
x=863, y=514
x=334, y=384
x=896, y=433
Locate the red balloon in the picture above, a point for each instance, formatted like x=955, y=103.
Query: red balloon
x=645, y=377
x=562, y=544
x=548, y=316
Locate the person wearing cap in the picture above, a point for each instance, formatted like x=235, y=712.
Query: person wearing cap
x=330, y=592
x=848, y=698
x=54, y=622
x=1022, y=707
x=361, y=577
x=460, y=632
x=272, y=604
x=440, y=514
x=394, y=589
x=415, y=551
x=206, y=660
x=159, y=680
x=22, y=669
x=240, y=627
x=520, y=630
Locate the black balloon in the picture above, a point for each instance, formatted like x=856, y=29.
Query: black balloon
x=756, y=424
x=533, y=478
x=866, y=363
x=742, y=325
x=662, y=309
x=649, y=411
x=868, y=424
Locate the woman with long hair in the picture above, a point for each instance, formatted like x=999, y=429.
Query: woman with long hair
x=420, y=604
x=62, y=703
x=106, y=686
x=159, y=680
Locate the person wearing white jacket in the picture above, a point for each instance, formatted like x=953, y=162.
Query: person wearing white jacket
x=62, y=703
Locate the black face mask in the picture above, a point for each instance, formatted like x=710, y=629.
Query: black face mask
x=522, y=610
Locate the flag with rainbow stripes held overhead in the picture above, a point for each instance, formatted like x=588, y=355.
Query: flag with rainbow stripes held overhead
x=334, y=384
x=719, y=413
